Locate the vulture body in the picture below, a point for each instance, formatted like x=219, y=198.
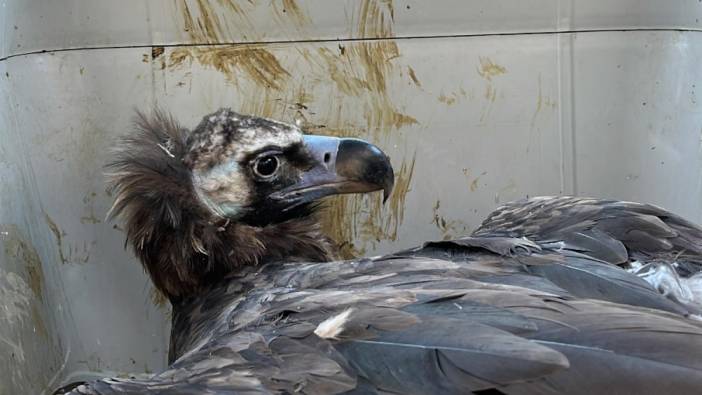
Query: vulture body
x=544, y=298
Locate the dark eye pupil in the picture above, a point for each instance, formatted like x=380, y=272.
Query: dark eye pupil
x=267, y=166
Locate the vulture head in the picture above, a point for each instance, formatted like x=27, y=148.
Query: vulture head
x=233, y=192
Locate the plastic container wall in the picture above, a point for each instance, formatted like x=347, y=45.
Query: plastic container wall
x=477, y=103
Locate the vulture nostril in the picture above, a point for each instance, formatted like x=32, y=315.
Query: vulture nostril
x=327, y=157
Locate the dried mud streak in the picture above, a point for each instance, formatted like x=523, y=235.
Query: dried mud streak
x=233, y=6
x=240, y=21
x=475, y=183
x=156, y=52
x=291, y=11
x=179, y=56
x=403, y=182
x=449, y=228
x=210, y=22
x=362, y=69
x=489, y=69
x=210, y=28
x=413, y=76
x=254, y=61
x=448, y=100
x=58, y=233
x=391, y=8
x=89, y=219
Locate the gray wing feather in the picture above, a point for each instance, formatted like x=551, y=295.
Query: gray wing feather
x=599, y=228
x=418, y=325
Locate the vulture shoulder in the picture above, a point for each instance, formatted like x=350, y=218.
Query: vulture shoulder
x=658, y=246
x=613, y=231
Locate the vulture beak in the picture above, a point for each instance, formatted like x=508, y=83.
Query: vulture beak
x=341, y=165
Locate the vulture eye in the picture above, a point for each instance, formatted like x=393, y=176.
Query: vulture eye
x=266, y=166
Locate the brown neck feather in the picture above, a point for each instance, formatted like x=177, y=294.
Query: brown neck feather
x=181, y=245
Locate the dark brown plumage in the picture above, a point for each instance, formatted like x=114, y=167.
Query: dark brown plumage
x=530, y=304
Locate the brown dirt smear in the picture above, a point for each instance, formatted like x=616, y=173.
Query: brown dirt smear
x=156, y=51
x=489, y=69
x=254, y=61
x=213, y=22
x=59, y=234
x=448, y=100
x=290, y=12
x=413, y=76
x=72, y=253
x=449, y=228
x=362, y=69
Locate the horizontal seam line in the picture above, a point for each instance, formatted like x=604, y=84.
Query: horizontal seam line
x=342, y=40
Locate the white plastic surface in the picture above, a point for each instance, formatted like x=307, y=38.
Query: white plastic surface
x=470, y=119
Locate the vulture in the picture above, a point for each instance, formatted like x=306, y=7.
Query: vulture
x=550, y=295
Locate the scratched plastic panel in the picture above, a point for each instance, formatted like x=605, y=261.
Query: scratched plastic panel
x=32, y=323
x=28, y=26
x=65, y=267
x=638, y=118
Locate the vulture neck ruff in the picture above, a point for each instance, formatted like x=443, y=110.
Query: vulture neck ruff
x=184, y=246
